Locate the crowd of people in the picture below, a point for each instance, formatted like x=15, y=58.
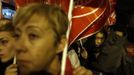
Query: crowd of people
x=32, y=42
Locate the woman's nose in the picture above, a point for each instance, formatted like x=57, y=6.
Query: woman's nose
x=21, y=45
x=1, y=48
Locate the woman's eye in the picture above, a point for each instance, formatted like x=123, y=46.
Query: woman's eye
x=4, y=42
x=33, y=36
x=16, y=36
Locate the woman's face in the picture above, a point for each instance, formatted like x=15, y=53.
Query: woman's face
x=35, y=44
x=6, y=46
x=99, y=39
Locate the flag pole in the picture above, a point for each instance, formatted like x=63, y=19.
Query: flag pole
x=63, y=64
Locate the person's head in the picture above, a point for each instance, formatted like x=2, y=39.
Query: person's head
x=6, y=40
x=100, y=37
x=40, y=35
x=130, y=49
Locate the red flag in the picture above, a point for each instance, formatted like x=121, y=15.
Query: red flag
x=88, y=19
x=64, y=4
x=20, y=3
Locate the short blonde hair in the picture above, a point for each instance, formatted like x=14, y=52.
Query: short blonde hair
x=56, y=16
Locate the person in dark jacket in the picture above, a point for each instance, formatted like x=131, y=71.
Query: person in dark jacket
x=118, y=52
x=127, y=64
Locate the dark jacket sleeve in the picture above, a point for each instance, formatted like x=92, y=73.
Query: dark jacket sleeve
x=111, y=53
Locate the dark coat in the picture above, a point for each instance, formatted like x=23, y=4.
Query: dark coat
x=3, y=66
x=113, y=59
x=127, y=67
x=111, y=54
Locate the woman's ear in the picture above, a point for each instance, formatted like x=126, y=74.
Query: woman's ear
x=61, y=44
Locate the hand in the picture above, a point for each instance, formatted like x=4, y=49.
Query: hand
x=11, y=70
x=82, y=71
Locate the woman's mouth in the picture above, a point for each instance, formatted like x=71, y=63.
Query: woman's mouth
x=2, y=53
x=23, y=62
